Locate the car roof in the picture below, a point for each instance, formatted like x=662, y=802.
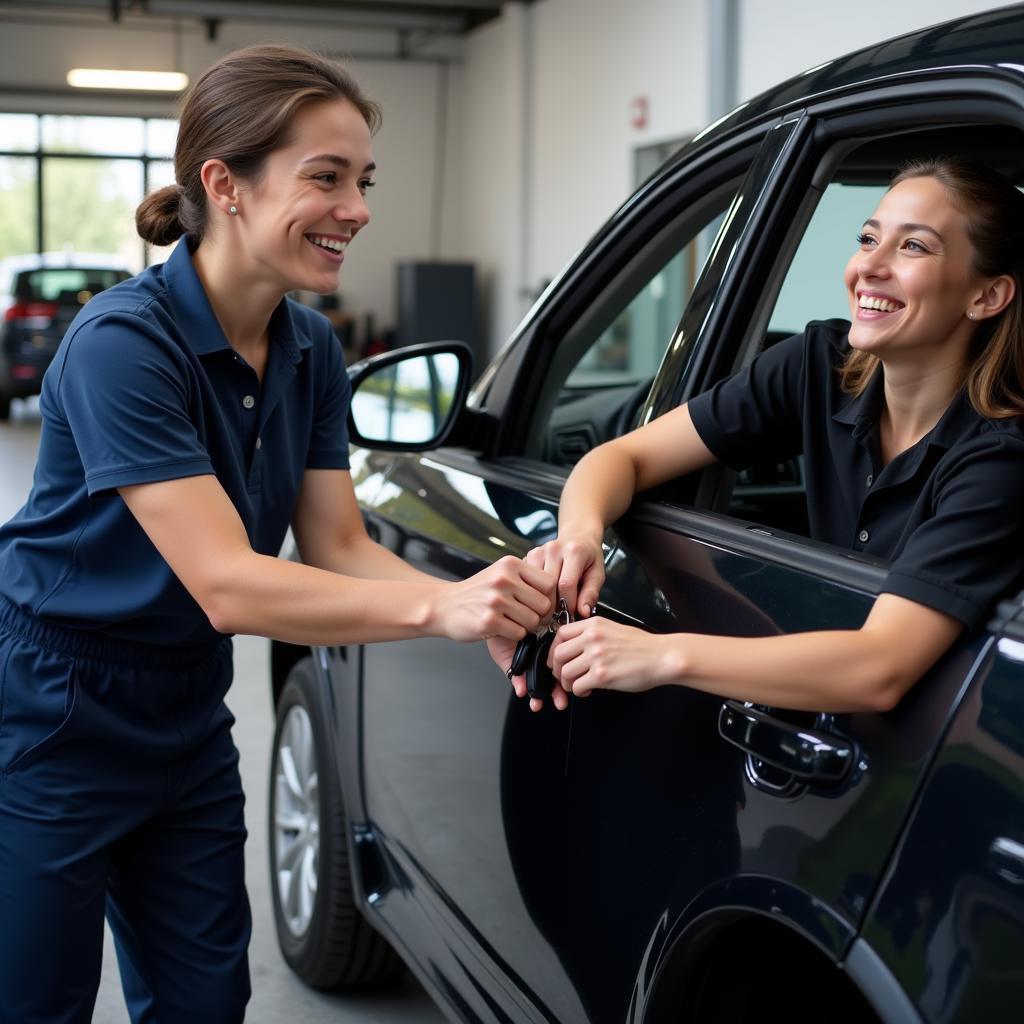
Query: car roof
x=38, y=261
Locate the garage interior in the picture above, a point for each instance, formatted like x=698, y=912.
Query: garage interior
x=512, y=129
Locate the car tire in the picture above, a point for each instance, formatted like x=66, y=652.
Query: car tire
x=5, y=407
x=323, y=936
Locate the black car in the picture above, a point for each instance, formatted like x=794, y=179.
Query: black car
x=671, y=856
x=39, y=297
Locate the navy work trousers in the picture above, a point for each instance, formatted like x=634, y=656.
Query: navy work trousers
x=119, y=794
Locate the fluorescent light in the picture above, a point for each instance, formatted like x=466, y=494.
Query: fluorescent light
x=102, y=78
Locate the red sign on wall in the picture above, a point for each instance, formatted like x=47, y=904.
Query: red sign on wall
x=639, y=108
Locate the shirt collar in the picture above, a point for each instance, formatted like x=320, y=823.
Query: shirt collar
x=862, y=412
x=195, y=317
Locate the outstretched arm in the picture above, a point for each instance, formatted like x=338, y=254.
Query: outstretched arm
x=341, y=598
x=597, y=493
x=601, y=488
x=866, y=669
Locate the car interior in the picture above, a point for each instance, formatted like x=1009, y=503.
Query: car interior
x=608, y=361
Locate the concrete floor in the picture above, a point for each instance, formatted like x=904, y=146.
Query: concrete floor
x=277, y=994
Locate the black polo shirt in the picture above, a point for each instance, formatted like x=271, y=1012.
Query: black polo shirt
x=145, y=387
x=947, y=514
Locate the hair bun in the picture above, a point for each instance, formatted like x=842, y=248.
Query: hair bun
x=157, y=218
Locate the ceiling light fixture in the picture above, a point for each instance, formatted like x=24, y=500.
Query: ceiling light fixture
x=144, y=81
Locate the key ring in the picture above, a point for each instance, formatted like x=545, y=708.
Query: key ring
x=562, y=616
x=527, y=647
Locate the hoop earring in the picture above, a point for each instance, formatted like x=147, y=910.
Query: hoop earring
x=233, y=210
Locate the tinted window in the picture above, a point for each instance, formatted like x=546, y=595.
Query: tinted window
x=773, y=494
x=608, y=359
x=49, y=284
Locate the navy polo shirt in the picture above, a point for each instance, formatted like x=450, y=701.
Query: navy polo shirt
x=947, y=514
x=145, y=387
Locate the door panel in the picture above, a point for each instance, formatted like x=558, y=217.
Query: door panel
x=948, y=919
x=655, y=794
x=450, y=756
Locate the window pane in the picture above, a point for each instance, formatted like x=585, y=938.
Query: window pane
x=51, y=283
x=161, y=173
x=72, y=134
x=161, y=135
x=631, y=349
x=814, y=288
x=19, y=132
x=90, y=207
x=17, y=206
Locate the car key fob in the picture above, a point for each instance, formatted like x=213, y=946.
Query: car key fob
x=521, y=657
x=540, y=680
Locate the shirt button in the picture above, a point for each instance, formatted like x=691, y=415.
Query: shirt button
x=870, y=480
x=259, y=443
x=863, y=536
x=248, y=401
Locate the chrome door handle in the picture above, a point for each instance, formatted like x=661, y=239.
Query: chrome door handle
x=807, y=754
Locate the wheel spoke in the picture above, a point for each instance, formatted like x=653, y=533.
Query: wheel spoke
x=290, y=821
x=307, y=761
x=293, y=852
x=290, y=775
x=292, y=886
x=308, y=887
x=296, y=809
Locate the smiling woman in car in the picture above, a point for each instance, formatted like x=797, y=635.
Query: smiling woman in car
x=908, y=421
x=190, y=416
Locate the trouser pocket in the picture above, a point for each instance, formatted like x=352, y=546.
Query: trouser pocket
x=37, y=701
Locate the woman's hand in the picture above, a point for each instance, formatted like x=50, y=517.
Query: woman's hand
x=598, y=654
x=501, y=652
x=577, y=564
x=506, y=600
x=577, y=567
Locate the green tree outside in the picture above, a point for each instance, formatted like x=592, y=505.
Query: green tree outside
x=89, y=205
x=17, y=206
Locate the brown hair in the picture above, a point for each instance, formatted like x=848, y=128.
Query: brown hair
x=240, y=111
x=994, y=378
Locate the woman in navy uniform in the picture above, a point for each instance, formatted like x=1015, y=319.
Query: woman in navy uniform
x=909, y=421
x=190, y=416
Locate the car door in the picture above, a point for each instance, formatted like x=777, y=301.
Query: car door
x=566, y=860
x=950, y=914
x=682, y=810
x=453, y=765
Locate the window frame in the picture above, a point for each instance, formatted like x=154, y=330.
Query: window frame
x=521, y=370
x=839, y=127
x=40, y=154
x=620, y=292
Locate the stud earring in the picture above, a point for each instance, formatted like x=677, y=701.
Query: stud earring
x=233, y=210
x=970, y=314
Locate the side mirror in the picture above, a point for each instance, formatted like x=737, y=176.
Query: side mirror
x=408, y=400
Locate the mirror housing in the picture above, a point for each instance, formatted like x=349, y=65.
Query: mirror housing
x=409, y=400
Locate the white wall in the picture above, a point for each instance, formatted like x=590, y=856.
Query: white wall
x=37, y=57
x=486, y=208
x=587, y=60
x=558, y=78
x=779, y=39
x=591, y=58
x=539, y=149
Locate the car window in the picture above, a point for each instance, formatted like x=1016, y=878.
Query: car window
x=51, y=283
x=630, y=348
x=608, y=361
x=813, y=288
x=773, y=494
